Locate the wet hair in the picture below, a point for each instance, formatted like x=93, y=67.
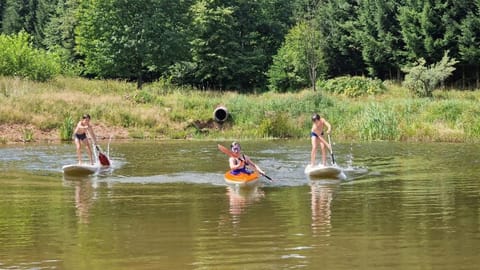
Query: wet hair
x=315, y=116
x=86, y=116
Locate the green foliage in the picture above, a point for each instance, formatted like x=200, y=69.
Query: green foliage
x=28, y=16
x=60, y=36
x=132, y=39
x=378, y=123
x=66, y=129
x=353, y=86
x=337, y=22
x=422, y=79
x=469, y=38
x=27, y=135
x=298, y=61
x=233, y=42
x=445, y=110
x=381, y=46
x=277, y=125
x=143, y=96
x=19, y=58
x=471, y=122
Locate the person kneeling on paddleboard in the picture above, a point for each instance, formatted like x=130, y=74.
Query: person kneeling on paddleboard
x=317, y=138
x=239, y=163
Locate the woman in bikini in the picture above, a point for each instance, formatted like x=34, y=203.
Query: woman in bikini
x=80, y=135
x=317, y=138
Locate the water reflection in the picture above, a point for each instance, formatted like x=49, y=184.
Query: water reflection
x=322, y=192
x=85, y=196
x=241, y=198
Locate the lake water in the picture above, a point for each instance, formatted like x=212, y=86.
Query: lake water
x=165, y=205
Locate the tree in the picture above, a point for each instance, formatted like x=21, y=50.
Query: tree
x=12, y=17
x=378, y=34
x=299, y=60
x=430, y=27
x=234, y=41
x=2, y=8
x=337, y=21
x=29, y=15
x=213, y=45
x=469, y=42
x=60, y=34
x=422, y=80
x=136, y=40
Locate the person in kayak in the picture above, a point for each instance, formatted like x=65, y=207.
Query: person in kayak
x=239, y=163
x=80, y=136
x=317, y=132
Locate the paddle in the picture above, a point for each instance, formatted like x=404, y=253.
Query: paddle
x=102, y=157
x=331, y=149
x=231, y=154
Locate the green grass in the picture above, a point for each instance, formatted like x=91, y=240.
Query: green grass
x=161, y=110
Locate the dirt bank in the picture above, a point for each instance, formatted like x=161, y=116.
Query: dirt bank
x=16, y=133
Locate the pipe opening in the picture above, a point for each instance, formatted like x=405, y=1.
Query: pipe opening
x=220, y=114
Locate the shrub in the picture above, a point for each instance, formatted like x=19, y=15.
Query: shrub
x=143, y=97
x=19, y=58
x=422, y=80
x=276, y=125
x=353, y=86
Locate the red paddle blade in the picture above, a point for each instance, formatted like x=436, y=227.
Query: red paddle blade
x=225, y=150
x=103, y=159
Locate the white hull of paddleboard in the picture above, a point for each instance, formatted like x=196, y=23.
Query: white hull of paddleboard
x=320, y=171
x=80, y=169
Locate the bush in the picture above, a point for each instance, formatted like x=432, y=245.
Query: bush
x=422, y=80
x=353, y=86
x=19, y=58
x=277, y=125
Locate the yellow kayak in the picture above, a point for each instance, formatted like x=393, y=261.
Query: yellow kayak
x=242, y=179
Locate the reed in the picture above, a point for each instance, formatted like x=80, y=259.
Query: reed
x=66, y=130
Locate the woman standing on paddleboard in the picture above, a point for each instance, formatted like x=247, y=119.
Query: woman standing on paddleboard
x=80, y=135
x=319, y=123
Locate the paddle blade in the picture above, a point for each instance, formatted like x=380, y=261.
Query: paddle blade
x=225, y=150
x=103, y=159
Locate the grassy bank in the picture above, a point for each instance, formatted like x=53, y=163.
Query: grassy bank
x=161, y=111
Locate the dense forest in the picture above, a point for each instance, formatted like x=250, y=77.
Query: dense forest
x=247, y=45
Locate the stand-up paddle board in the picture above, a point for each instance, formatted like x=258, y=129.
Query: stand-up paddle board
x=80, y=169
x=320, y=171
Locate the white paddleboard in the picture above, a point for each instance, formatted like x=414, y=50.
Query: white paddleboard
x=320, y=171
x=80, y=169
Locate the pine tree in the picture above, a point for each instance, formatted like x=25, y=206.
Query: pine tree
x=378, y=33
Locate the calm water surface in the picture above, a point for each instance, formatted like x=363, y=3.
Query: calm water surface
x=165, y=205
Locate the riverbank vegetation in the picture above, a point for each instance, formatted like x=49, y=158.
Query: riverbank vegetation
x=160, y=110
